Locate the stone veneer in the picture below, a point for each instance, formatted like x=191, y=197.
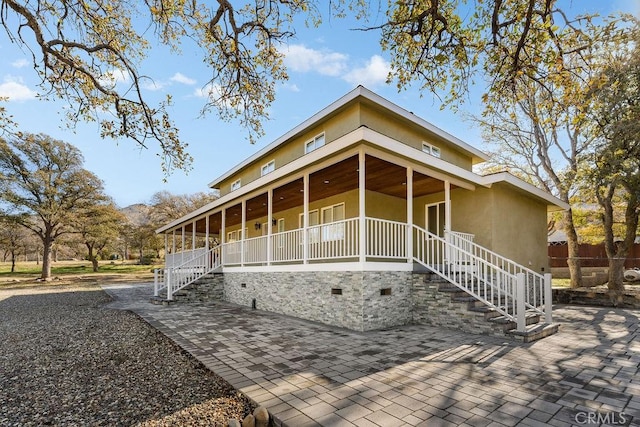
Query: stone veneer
x=436, y=308
x=308, y=295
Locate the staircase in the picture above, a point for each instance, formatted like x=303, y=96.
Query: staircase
x=511, y=296
x=170, y=280
x=208, y=287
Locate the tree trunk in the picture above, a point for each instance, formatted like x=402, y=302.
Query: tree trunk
x=573, y=260
x=47, y=242
x=616, y=280
x=13, y=261
x=93, y=258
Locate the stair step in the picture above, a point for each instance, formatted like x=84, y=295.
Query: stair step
x=535, y=332
x=161, y=301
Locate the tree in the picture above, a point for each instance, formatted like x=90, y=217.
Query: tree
x=43, y=187
x=97, y=226
x=12, y=237
x=615, y=174
x=89, y=53
x=166, y=207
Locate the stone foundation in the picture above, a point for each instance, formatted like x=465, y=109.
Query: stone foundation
x=355, y=300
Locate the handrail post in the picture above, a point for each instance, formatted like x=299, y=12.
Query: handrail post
x=548, y=299
x=169, y=290
x=155, y=282
x=520, y=306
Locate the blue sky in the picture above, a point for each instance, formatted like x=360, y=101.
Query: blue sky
x=323, y=64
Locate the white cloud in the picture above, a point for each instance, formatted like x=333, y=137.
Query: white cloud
x=374, y=73
x=303, y=59
x=114, y=77
x=181, y=78
x=152, y=85
x=209, y=91
x=292, y=87
x=14, y=89
x=20, y=63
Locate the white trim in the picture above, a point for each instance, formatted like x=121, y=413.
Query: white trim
x=334, y=266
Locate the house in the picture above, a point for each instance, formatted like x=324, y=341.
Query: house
x=341, y=219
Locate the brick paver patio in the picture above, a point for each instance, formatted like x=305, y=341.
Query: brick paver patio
x=308, y=374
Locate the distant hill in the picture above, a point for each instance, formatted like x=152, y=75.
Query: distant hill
x=137, y=213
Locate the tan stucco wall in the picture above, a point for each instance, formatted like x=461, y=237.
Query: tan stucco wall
x=333, y=128
x=410, y=134
x=344, y=121
x=504, y=220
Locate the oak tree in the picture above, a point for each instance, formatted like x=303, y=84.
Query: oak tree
x=43, y=187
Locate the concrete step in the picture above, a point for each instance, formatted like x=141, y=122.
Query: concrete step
x=535, y=332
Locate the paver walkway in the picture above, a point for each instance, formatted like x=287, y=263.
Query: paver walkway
x=308, y=374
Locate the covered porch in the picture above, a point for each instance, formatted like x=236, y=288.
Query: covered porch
x=359, y=208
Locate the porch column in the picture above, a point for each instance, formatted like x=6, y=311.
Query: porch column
x=206, y=234
x=223, y=234
x=173, y=242
x=362, y=229
x=409, y=215
x=244, y=224
x=182, y=247
x=305, y=219
x=269, y=226
x=447, y=206
x=166, y=247
x=193, y=238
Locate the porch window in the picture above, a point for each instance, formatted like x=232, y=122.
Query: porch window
x=236, y=185
x=314, y=233
x=431, y=149
x=331, y=215
x=314, y=144
x=269, y=167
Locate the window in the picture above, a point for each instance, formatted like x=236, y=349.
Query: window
x=314, y=232
x=314, y=144
x=269, y=167
x=236, y=185
x=332, y=214
x=431, y=149
x=282, y=238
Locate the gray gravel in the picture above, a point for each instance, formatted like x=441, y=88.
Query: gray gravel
x=67, y=360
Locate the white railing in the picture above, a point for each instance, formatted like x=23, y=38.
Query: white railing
x=171, y=260
x=287, y=246
x=509, y=288
x=334, y=240
x=177, y=277
x=255, y=250
x=386, y=239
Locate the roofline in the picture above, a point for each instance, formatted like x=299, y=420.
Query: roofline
x=359, y=91
x=553, y=203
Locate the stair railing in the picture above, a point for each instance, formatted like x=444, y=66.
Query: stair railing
x=500, y=283
x=177, y=277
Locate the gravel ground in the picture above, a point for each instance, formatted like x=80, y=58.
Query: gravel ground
x=66, y=360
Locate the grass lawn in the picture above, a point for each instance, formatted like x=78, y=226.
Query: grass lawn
x=67, y=272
